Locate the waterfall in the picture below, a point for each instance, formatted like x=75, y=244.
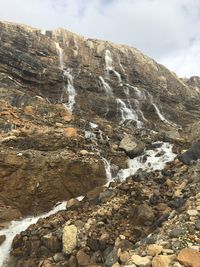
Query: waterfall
x=107, y=88
x=153, y=161
x=18, y=226
x=69, y=89
x=108, y=170
x=109, y=65
x=162, y=118
x=127, y=113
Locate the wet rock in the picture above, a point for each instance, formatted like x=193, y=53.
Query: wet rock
x=69, y=238
x=72, y=203
x=131, y=146
x=189, y=257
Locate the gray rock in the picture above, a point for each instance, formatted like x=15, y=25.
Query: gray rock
x=197, y=225
x=111, y=258
x=176, y=232
x=131, y=146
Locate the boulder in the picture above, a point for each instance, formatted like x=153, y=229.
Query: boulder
x=69, y=238
x=131, y=146
x=193, y=153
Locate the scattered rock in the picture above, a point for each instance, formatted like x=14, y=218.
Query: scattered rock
x=162, y=261
x=154, y=249
x=69, y=238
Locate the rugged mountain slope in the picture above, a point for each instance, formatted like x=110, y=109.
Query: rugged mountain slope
x=66, y=104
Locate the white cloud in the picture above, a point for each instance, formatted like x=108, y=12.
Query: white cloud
x=164, y=30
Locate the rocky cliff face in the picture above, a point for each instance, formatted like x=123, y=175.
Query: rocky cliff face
x=66, y=105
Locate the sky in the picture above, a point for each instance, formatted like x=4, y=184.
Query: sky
x=166, y=30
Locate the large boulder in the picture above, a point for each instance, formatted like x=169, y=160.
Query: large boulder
x=191, y=154
x=131, y=146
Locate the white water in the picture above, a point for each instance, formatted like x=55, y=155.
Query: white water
x=108, y=170
x=127, y=113
x=43, y=32
x=152, y=162
x=70, y=90
x=106, y=86
x=109, y=65
x=93, y=125
x=162, y=118
x=19, y=226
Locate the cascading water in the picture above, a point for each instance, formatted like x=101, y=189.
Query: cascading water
x=108, y=170
x=109, y=65
x=106, y=86
x=162, y=118
x=152, y=161
x=127, y=113
x=69, y=89
x=19, y=226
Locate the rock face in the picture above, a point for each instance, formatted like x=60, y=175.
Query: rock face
x=66, y=104
x=192, y=154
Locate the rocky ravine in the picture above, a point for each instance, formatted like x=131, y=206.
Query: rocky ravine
x=70, y=108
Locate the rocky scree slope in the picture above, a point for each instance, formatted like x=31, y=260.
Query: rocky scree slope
x=66, y=104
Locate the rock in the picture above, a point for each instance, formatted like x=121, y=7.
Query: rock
x=171, y=135
x=139, y=261
x=59, y=257
x=197, y=225
x=51, y=242
x=82, y=258
x=154, y=249
x=111, y=258
x=2, y=239
x=72, y=203
x=28, y=110
x=124, y=257
x=84, y=152
x=69, y=238
x=192, y=153
x=143, y=214
x=189, y=257
x=162, y=261
x=131, y=146
x=192, y=212
x=70, y=132
x=176, y=232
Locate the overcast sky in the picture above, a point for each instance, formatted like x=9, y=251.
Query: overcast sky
x=167, y=30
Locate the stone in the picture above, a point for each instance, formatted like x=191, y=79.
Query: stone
x=69, y=238
x=82, y=258
x=84, y=152
x=131, y=146
x=176, y=232
x=197, y=225
x=124, y=256
x=154, y=249
x=51, y=242
x=143, y=214
x=70, y=132
x=189, y=257
x=2, y=239
x=192, y=212
x=139, y=261
x=59, y=257
x=162, y=261
x=28, y=110
x=111, y=258
x=193, y=153
x=72, y=203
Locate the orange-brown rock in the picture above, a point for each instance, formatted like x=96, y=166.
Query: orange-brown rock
x=70, y=132
x=189, y=257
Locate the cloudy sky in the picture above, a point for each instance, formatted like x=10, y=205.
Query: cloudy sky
x=167, y=30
